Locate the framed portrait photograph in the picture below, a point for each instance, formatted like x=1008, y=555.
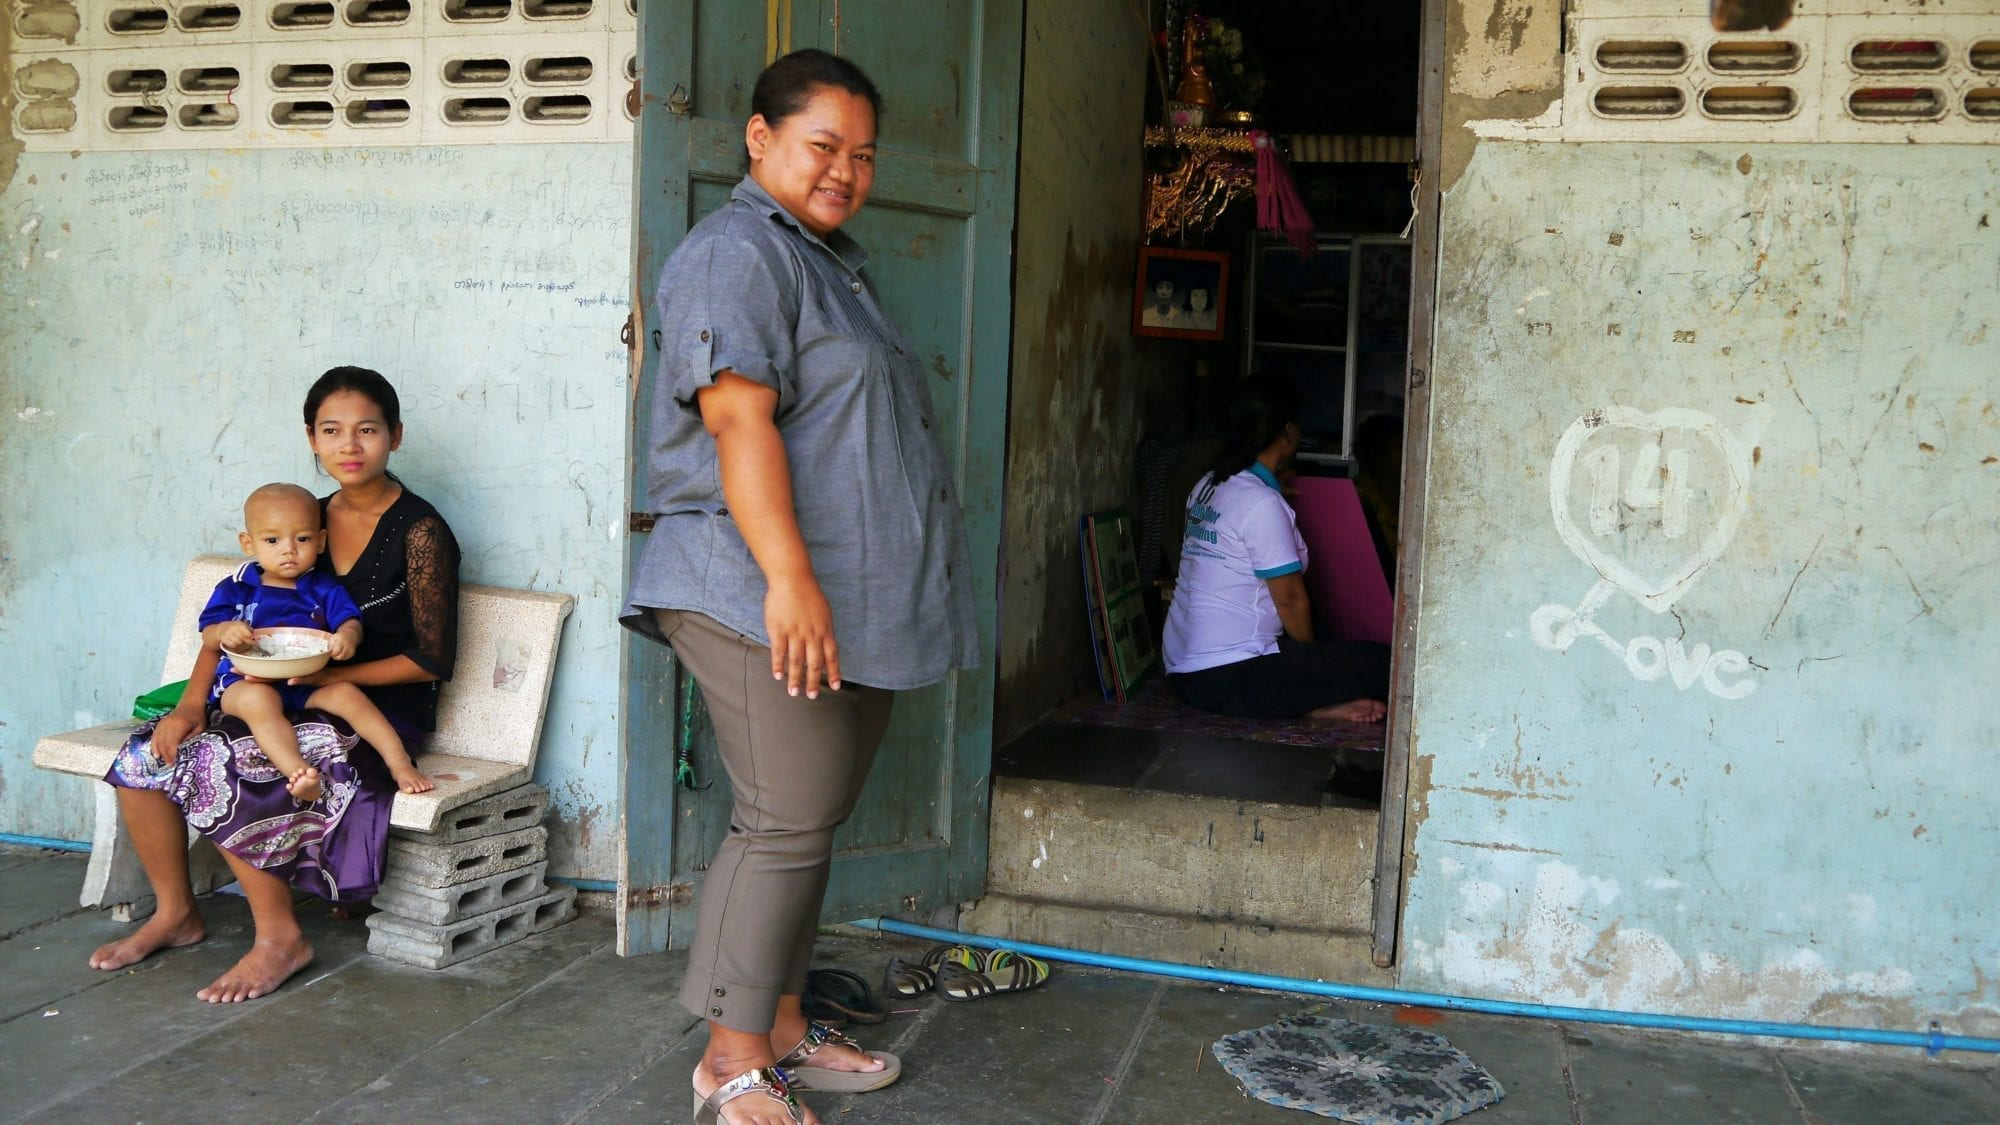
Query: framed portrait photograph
x=1181, y=294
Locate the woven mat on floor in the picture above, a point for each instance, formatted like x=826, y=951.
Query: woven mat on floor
x=1356, y=1072
x=1153, y=707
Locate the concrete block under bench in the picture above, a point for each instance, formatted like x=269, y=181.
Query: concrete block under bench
x=488, y=732
x=447, y=865
x=441, y=906
x=433, y=947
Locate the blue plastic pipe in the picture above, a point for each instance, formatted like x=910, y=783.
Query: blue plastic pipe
x=43, y=842
x=1931, y=1042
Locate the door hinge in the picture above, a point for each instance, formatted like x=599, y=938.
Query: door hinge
x=641, y=521
x=673, y=894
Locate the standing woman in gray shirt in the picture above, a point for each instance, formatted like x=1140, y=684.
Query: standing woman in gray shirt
x=807, y=561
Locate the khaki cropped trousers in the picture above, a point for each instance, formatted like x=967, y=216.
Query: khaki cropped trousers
x=796, y=767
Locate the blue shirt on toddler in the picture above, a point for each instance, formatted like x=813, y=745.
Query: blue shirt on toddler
x=318, y=602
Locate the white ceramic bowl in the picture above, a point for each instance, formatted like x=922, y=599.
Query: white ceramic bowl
x=292, y=652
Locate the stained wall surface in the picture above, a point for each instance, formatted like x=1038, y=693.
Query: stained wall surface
x=1076, y=399
x=162, y=315
x=1704, y=642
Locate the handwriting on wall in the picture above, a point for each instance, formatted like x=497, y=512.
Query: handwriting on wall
x=1649, y=500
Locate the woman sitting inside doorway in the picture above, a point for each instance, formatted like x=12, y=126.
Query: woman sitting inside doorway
x=1239, y=636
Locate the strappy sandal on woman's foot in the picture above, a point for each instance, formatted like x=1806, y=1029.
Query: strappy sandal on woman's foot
x=907, y=980
x=765, y=1080
x=1002, y=970
x=809, y=1077
x=836, y=997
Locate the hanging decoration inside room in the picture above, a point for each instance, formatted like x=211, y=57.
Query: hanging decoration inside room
x=1207, y=154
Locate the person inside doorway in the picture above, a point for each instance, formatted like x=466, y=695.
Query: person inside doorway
x=1239, y=635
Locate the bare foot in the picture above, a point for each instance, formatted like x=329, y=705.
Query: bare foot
x=410, y=781
x=159, y=932
x=1353, y=711
x=262, y=970
x=786, y=1035
x=304, y=786
x=749, y=1109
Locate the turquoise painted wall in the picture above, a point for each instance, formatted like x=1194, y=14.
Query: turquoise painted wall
x=161, y=316
x=1746, y=395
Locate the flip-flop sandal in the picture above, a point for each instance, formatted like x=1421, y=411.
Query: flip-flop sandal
x=809, y=1077
x=836, y=997
x=1002, y=970
x=765, y=1080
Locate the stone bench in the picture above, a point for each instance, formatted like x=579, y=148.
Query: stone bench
x=489, y=725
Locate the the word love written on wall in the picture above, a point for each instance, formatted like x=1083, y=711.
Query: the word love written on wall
x=1649, y=500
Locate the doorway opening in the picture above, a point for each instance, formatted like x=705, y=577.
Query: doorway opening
x=1337, y=87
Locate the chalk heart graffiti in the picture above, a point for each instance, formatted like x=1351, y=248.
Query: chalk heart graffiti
x=1654, y=483
x=1651, y=533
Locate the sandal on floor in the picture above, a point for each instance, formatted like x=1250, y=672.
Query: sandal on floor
x=906, y=980
x=810, y=1077
x=765, y=1080
x=836, y=997
x=1002, y=970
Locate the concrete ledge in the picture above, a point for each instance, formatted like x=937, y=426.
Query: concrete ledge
x=1184, y=939
x=459, y=781
x=505, y=811
x=87, y=752
x=1290, y=866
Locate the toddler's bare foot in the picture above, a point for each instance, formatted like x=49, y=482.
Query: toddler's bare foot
x=304, y=786
x=260, y=972
x=159, y=932
x=410, y=781
x=1353, y=711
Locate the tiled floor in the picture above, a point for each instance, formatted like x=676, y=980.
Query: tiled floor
x=559, y=1028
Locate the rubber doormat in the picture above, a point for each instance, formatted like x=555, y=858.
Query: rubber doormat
x=1356, y=1072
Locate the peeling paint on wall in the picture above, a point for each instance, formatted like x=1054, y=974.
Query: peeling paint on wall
x=1503, y=65
x=1571, y=943
x=1075, y=398
x=1823, y=847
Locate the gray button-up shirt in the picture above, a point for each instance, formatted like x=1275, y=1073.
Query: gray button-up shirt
x=749, y=290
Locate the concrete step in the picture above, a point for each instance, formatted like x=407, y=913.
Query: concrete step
x=1287, y=866
x=1267, y=888
x=1183, y=939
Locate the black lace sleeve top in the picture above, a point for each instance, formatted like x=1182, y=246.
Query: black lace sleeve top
x=406, y=583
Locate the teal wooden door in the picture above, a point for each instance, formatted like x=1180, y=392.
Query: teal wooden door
x=939, y=229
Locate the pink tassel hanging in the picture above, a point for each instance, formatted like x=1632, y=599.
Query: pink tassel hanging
x=1279, y=207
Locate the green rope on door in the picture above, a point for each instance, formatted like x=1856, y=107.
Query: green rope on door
x=691, y=706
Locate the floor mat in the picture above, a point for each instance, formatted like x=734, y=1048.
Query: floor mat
x=1153, y=707
x=1356, y=1072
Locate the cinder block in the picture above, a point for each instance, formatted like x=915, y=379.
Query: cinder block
x=441, y=906
x=515, y=809
x=434, y=947
x=444, y=865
